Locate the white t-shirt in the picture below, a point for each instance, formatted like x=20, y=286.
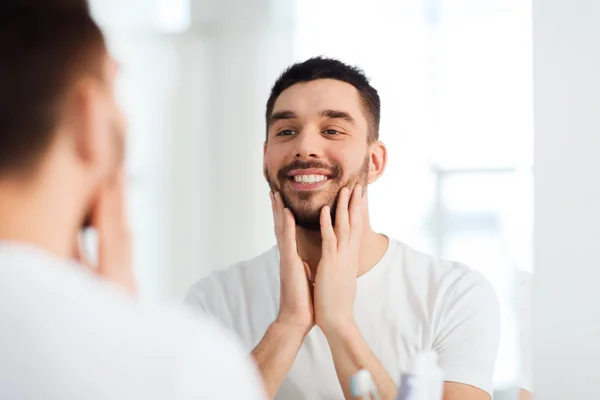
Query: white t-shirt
x=65, y=334
x=407, y=303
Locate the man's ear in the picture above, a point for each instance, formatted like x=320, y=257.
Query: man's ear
x=377, y=160
x=83, y=119
x=265, y=161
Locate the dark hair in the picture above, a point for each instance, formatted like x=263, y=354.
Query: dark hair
x=329, y=68
x=45, y=46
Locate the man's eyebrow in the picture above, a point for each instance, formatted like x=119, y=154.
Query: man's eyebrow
x=335, y=114
x=279, y=115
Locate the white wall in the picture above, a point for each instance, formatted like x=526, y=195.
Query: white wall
x=234, y=51
x=195, y=101
x=149, y=89
x=567, y=227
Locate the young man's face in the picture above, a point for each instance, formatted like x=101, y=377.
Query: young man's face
x=317, y=144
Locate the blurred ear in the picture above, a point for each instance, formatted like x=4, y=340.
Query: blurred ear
x=378, y=160
x=82, y=116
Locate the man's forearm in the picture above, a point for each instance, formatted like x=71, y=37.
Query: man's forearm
x=351, y=353
x=276, y=353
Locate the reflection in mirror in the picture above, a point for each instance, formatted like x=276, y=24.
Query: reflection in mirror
x=454, y=80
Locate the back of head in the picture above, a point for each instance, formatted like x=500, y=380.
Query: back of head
x=45, y=45
x=80, y=5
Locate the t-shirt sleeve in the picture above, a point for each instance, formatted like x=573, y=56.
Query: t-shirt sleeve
x=194, y=299
x=468, y=335
x=205, y=299
x=217, y=367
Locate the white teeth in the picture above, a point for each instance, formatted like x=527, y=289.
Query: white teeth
x=309, y=178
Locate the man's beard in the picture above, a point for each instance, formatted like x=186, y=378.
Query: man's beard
x=306, y=214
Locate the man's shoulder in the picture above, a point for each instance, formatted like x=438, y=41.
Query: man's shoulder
x=252, y=282
x=420, y=267
x=455, y=287
x=242, y=273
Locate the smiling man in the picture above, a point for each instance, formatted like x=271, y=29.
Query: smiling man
x=334, y=296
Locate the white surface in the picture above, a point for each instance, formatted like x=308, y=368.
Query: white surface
x=567, y=199
x=67, y=335
x=406, y=304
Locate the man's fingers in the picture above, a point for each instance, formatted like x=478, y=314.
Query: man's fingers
x=118, y=199
x=289, y=231
x=342, y=220
x=357, y=213
x=307, y=271
x=285, y=227
x=110, y=214
x=328, y=238
x=276, y=226
x=278, y=221
x=278, y=214
x=113, y=233
x=109, y=207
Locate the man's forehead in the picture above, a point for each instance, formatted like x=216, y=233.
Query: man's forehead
x=313, y=96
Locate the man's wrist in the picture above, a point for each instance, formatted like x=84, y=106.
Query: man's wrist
x=341, y=330
x=290, y=327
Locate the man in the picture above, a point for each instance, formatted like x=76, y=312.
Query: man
x=334, y=296
x=66, y=331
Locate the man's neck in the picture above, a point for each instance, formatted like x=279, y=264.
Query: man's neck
x=28, y=215
x=373, y=247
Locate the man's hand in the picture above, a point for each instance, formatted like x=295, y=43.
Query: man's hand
x=114, y=239
x=335, y=281
x=335, y=290
x=278, y=348
x=295, y=304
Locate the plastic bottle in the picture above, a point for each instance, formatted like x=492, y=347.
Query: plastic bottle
x=362, y=385
x=423, y=380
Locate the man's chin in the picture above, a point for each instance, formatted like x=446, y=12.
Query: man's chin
x=309, y=224
x=309, y=219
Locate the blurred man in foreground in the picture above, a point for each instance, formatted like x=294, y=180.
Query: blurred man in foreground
x=68, y=332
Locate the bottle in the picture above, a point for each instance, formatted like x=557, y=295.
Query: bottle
x=362, y=385
x=423, y=380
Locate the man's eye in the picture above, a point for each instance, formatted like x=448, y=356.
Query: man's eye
x=331, y=132
x=287, y=132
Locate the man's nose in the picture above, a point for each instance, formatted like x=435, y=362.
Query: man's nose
x=309, y=144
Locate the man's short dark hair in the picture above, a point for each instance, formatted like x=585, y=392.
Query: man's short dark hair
x=45, y=46
x=329, y=68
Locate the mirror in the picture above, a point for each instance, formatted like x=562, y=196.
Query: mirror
x=455, y=83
